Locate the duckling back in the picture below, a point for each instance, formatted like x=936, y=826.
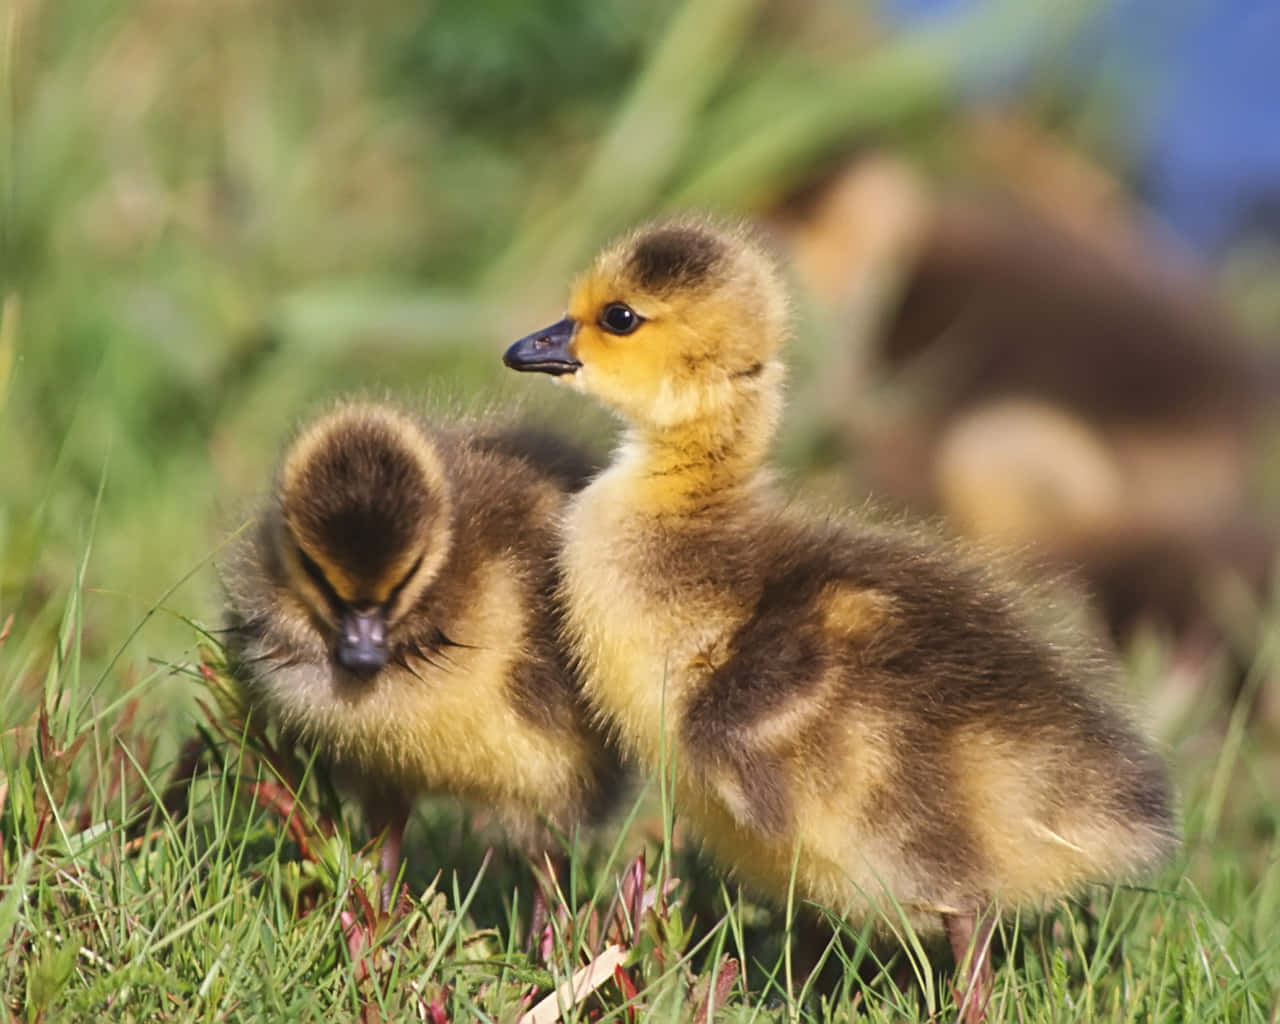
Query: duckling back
x=867, y=704
x=968, y=758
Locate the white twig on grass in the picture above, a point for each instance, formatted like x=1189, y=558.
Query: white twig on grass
x=585, y=980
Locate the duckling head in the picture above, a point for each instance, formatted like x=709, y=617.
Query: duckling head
x=677, y=322
x=364, y=526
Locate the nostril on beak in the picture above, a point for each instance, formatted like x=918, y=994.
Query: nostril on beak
x=545, y=351
x=362, y=642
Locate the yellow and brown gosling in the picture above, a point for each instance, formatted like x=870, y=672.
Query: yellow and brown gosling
x=868, y=705
x=393, y=611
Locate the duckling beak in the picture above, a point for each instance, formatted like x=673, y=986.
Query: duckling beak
x=545, y=351
x=362, y=642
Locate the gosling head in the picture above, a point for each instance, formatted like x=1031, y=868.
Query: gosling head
x=670, y=325
x=364, y=526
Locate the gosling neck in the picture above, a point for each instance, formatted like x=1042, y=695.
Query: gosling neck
x=711, y=458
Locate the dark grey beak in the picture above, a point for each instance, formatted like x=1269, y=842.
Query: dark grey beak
x=362, y=642
x=545, y=351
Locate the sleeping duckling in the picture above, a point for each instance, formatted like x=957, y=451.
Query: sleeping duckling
x=863, y=704
x=393, y=611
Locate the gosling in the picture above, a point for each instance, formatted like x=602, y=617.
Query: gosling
x=866, y=705
x=392, y=611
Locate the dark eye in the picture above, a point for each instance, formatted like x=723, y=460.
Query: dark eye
x=617, y=318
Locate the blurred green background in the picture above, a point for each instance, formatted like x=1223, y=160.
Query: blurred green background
x=216, y=214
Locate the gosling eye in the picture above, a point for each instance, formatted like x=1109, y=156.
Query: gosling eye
x=619, y=318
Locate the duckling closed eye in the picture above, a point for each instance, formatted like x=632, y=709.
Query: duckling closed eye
x=393, y=610
x=871, y=706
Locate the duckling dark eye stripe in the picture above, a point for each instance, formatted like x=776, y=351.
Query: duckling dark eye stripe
x=754, y=370
x=320, y=580
x=398, y=589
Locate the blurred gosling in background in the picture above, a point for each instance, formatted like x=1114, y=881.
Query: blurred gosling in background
x=1026, y=360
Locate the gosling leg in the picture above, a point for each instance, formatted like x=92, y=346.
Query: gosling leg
x=174, y=799
x=388, y=818
x=970, y=938
x=545, y=878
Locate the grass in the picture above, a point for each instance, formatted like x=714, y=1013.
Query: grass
x=249, y=898
x=215, y=215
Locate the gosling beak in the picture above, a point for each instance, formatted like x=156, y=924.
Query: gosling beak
x=546, y=351
x=362, y=642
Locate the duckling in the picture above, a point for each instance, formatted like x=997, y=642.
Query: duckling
x=1031, y=477
x=1049, y=366
x=393, y=611
x=871, y=708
